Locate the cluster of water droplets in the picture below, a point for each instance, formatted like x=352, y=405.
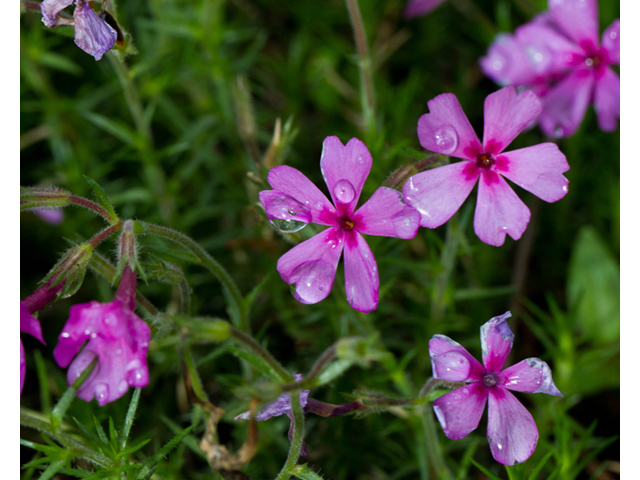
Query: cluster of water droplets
x=446, y=139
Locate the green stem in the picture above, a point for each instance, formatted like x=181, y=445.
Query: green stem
x=206, y=260
x=99, y=237
x=259, y=350
x=365, y=66
x=76, y=448
x=447, y=261
x=434, y=452
x=297, y=438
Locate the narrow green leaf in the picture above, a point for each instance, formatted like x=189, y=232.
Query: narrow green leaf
x=149, y=467
x=117, y=129
x=134, y=448
x=540, y=465
x=100, y=430
x=63, y=404
x=305, y=473
x=128, y=421
x=113, y=435
x=52, y=470
x=484, y=470
x=102, y=199
x=43, y=381
x=255, y=361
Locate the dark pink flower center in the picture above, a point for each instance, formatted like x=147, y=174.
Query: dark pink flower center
x=485, y=160
x=490, y=379
x=346, y=223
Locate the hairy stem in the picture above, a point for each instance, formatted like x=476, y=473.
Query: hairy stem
x=296, y=439
x=260, y=351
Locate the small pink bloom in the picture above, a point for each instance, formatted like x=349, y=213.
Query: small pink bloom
x=114, y=334
x=92, y=33
x=312, y=265
x=560, y=57
x=438, y=193
x=28, y=324
x=416, y=8
x=511, y=430
x=52, y=216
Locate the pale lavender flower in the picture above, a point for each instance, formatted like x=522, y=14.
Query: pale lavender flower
x=92, y=33
x=52, y=216
x=511, y=430
x=560, y=57
x=295, y=201
x=115, y=335
x=416, y=8
x=438, y=193
x=281, y=406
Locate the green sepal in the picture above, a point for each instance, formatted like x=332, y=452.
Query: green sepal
x=70, y=269
x=103, y=200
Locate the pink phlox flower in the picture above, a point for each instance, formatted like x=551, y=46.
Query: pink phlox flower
x=560, y=57
x=91, y=33
x=511, y=430
x=312, y=264
x=438, y=193
x=52, y=216
x=28, y=324
x=281, y=406
x=416, y=8
x=115, y=335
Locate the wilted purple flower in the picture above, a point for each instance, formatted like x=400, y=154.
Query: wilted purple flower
x=28, y=324
x=511, y=430
x=115, y=335
x=92, y=33
x=559, y=56
x=295, y=201
x=415, y=8
x=439, y=192
x=280, y=406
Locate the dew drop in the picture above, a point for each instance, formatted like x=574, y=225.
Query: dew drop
x=64, y=335
x=360, y=159
x=102, y=392
x=588, y=62
x=446, y=139
x=558, y=131
x=287, y=226
x=565, y=188
x=122, y=386
x=87, y=332
x=343, y=191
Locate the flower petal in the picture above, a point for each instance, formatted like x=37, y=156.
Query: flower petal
x=499, y=211
x=348, y=164
x=92, y=34
x=537, y=169
x=506, y=114
x=385, y=214
x=415, y=8
x=511, y=430
x=450, y=361
x=607, y=100
x=438, y=193
x=30, y=324
x=50, y=9
x=76, y=331
x=279, y=406
x=446, y=129
x=577, y=18
x=531, y=376
x=611, y=41
x=361, y=280
x=507, y=63
x=565, y=105
x=459, y=412
x=496, y=339
x=292, y=182
x=23, y=366
x=312, y=265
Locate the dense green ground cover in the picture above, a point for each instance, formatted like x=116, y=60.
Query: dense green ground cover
x=179, y=135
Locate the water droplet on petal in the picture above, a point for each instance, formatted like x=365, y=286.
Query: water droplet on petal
x=446, y=139
x=360, y=159
x=286, y=214
x=343, y=191
x=122, y=386
x=64, y=335
x=287, y=226
x=102, y=393
x=558, y=131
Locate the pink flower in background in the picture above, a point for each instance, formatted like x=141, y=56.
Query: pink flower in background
x=52, y=216
x=560, y=57
x=438, y=193
x=28, y=324
x=511, y=430
x=415, y=8
x=295, y=201
x=114, y=334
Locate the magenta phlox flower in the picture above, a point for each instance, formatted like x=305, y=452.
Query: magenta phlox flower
x=115, y=335
x=92, y=33
x=416, y=8
x=511, y=430
x=312, y=264
x=559, y=55
x=438, y=193
x=281, y=406
x=28, y=324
